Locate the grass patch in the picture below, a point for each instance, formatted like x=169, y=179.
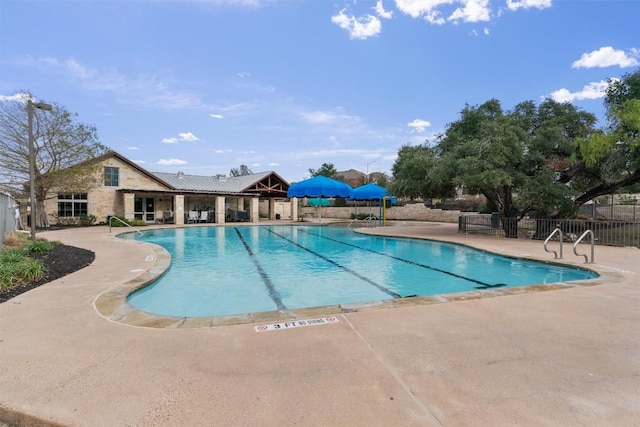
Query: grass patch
x=17, y=262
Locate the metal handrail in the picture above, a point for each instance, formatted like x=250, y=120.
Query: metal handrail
x=555, y=254
x=128, y=225
x=369, y=221
x=575, y=245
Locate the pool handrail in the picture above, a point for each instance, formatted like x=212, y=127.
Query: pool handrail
x=128, y=225
x=578, y=240
x=555, y=254
x=369, y=221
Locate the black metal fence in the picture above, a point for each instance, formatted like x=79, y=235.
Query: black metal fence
x=615, y=212
x=611, y=233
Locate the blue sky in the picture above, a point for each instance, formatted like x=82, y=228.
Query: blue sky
x=205, y=86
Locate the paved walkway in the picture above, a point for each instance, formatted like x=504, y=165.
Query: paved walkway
x=567, y=357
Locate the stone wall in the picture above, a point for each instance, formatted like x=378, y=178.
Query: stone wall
x=408, y=212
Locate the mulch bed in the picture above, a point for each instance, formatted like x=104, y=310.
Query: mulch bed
x=58, y=262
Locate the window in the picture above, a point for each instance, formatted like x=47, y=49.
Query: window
x=72, y=205
x=111, y=176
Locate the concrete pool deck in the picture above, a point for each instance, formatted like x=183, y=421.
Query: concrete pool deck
x=567, y=356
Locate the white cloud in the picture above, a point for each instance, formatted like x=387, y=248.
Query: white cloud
x=528, y=4
x=142, y=91
x=473, y=11
x=139, y=162
x=381, y=12
x=188, y=136
x=486, y=31
x=328, y=117
x=184, y=136
x=274, y=164
x=132, y=148
x=435, y=18
x=607, y=56
x=243, y=75
x=594, y=90
x=358, y=28
x=216, y=116
x=418, y=8
x=171, y=162
x=433, y=11
x=20, y=97
x=419, y=125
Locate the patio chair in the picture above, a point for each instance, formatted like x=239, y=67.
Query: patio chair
x=193, y=217
x=204, y=216
x=167, y=217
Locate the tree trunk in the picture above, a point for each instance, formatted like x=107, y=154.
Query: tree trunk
x=41, y=220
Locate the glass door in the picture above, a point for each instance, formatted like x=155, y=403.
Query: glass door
x=145, y=208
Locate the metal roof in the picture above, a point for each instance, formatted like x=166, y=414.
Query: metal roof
x=182, y=181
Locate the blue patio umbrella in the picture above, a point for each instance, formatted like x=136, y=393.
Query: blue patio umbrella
x=320, y=186
x=369, y=192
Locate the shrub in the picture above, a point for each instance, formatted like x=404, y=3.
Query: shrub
x=132, y=222
x=16, y=266
x=87, y=220
x=15, y=239
x=11, y=256
x=30, y=269
x=39, y=246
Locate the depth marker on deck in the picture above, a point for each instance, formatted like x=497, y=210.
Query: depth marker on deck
x=297, y=324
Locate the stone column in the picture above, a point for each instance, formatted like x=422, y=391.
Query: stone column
x=272, y=209
x=240, y=204
x=129, y=205
x=220, y=212
x=255, y=210
x=294, y=208
x=178, y=204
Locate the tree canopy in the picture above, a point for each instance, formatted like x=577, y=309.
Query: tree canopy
x=613, y=154
x=327, y=169
x=547, y=158
x=243, y=170
x=60, y=144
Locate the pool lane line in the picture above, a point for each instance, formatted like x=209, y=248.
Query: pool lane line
x=347, y=269
x=273, y=293
x=483, y=285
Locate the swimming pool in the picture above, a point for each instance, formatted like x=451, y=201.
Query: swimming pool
x=219, y=271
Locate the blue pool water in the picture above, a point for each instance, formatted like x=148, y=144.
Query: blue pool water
x=232, y=270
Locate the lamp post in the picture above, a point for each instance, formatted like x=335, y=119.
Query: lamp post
x=368, y=170
x=32, y=162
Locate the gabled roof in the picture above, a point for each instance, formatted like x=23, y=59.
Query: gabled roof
x=134, y=166
x=268, y=184
x=263, y=183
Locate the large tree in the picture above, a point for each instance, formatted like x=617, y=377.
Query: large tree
x=243, y=170
x=516, y=158
x=60, y=144
x=327, y=169
x=411, y=173
x=613, y=154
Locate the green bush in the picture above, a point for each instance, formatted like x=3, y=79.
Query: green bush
x=11, y=255
x=16, y=267
x=131, y=222
x=30, y=269
x=39, y=246
x=87, y=220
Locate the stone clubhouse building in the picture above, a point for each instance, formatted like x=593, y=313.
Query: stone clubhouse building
x=130, y=191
